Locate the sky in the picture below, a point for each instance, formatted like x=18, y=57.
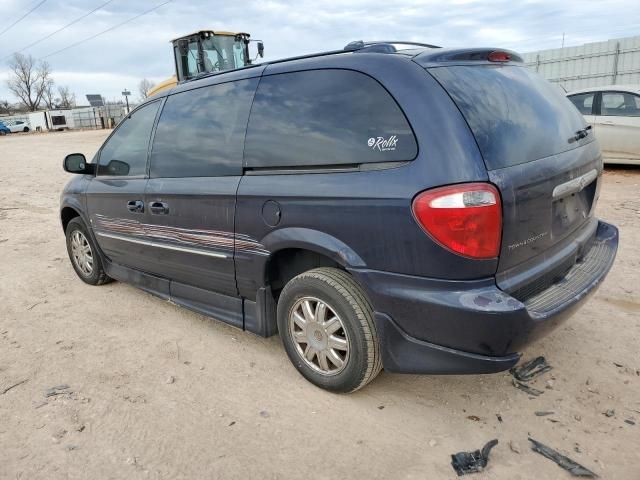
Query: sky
x=139, y=49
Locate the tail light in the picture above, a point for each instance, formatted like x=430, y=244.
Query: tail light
x=465, y=218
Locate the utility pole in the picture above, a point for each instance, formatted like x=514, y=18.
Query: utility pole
x=125, y=94
x=562, y=39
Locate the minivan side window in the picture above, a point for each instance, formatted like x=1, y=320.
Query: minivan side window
x=583, y=102
x=200, y=132
x=620, y=104
x=325, y=117
x=125, y=152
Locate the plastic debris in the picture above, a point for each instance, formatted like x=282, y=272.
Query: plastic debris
x=57, y=390
x=530, y=369
x=514, y=447
x=526, y=388
x=472, y=462
x=569, y=465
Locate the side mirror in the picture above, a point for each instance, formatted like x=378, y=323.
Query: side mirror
x=261, y=49
x=77, y=163
x=117, y=168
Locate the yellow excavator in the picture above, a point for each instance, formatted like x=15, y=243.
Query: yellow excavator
x=206, y=51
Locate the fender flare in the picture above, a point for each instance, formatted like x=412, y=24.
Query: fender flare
x=69, y=201
x=315, y=241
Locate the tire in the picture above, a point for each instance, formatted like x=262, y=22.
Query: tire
x=26, y=129
x=355, y=339
x=88, y=266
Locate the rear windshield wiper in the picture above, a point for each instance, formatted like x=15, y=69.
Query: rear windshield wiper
x=580, y=134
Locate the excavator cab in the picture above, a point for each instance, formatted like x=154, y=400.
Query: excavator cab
x=207, y=51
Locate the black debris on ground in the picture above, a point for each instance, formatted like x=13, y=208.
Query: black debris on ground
x=527, y=389
x=630, y=422
x=543, y=414
x=12, y=386
x=499, y=417
x=569, y=465
x=472, y=462
x=530, y=369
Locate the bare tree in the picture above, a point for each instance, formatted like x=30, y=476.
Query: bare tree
x=28, y=79
x=144, y=86
x=5, y=107
x=66, y=99
x=47, y=94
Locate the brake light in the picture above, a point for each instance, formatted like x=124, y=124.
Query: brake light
x=465, y=218
x=498, y=56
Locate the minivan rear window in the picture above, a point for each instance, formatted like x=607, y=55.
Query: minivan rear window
x=325, y=117
x=515, y=115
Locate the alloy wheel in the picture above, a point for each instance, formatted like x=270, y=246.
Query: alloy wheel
x=320, y=337
x=81, y=253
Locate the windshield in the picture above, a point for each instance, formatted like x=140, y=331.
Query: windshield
x=222, y=53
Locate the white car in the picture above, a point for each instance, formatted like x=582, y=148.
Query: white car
x=613, y=111
x=17, y=126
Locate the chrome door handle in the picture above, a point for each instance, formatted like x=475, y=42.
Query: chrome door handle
x=135, y=206
x=159, y=208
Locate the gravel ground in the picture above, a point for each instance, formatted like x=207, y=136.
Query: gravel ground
x=156, y=391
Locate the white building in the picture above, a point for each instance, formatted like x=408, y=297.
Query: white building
x=614, y=62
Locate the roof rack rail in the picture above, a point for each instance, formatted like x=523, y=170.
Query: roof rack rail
x=359, y=44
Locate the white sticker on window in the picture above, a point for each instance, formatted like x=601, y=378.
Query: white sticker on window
x=383, y=144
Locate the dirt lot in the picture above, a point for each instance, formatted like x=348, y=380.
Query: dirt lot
x=156, y=391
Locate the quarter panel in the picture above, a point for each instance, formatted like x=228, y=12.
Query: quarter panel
x=366, y=214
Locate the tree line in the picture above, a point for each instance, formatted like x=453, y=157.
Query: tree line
x=31, y=82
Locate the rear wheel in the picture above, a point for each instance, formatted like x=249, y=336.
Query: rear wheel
x=83, y=254
x=327, y=328
x=26, y=129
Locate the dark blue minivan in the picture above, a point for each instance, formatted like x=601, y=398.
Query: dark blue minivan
x=424, y=210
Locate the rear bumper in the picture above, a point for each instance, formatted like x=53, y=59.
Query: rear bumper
x=451, y=327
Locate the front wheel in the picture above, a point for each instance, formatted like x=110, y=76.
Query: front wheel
x=83, y=254
x=327, y=328
x=26, y=129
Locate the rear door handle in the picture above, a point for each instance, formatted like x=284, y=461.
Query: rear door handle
x=135, y=206
x=159, y=208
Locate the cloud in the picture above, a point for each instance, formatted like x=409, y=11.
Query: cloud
x=139, y=49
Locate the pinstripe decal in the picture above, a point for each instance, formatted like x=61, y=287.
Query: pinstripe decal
x=184, y=237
